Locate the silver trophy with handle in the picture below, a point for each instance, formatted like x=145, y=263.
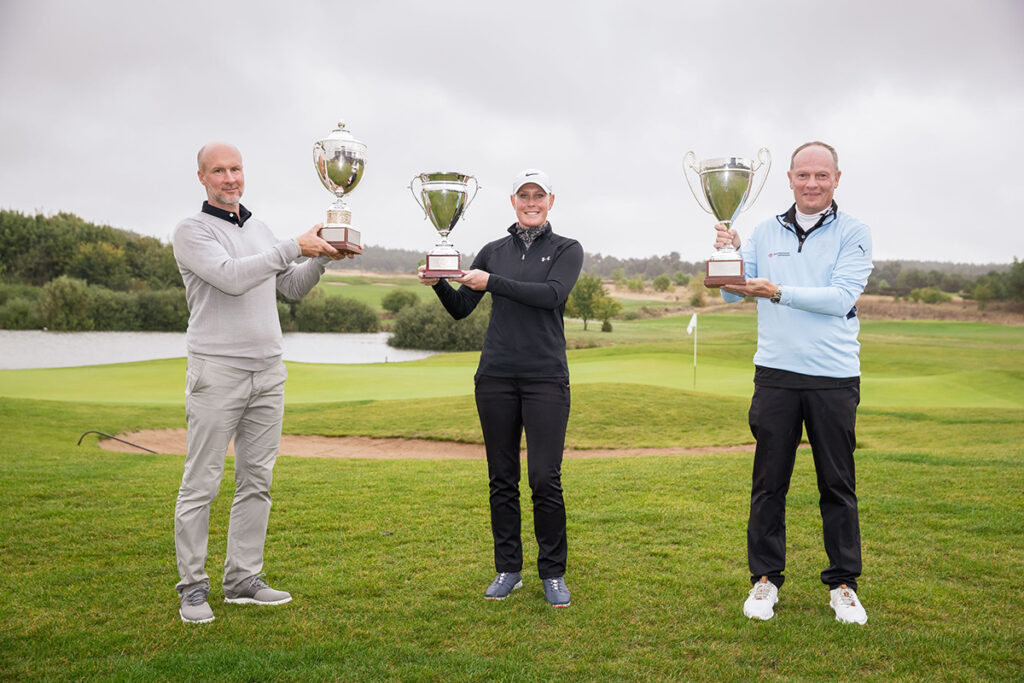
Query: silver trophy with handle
x=725, y=193
x=444, y=197
x=340, y=160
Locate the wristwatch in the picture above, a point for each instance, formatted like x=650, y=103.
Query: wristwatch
x=777, y=296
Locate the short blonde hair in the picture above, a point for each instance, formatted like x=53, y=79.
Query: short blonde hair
x=830, y=148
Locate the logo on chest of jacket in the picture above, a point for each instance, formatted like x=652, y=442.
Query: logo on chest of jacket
x=545, y=258
x=777, y=253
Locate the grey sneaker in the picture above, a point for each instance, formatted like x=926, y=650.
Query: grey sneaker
x=556, y=592
x=503, y=585
x=194, y=607
x=256, y=592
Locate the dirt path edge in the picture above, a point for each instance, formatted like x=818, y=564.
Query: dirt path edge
x=173, y=441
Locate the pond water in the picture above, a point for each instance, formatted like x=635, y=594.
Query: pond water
x=21, y=349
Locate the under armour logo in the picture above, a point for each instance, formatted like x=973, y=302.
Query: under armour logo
x=545, y=258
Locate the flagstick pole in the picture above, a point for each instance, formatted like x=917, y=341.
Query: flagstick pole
x=695, y=326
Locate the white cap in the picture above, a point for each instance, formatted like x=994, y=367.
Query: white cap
x=532, y=175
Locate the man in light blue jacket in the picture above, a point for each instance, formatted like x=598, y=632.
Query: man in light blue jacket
x=806, y=267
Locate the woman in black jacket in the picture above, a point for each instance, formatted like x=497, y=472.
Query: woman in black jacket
x=522, y=381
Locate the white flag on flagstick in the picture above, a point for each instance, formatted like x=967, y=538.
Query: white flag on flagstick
x=692, y=325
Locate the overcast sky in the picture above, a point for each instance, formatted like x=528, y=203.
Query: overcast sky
x=104, y=104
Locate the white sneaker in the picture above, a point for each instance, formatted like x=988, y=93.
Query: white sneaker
x=761, y=602
x=847, y=606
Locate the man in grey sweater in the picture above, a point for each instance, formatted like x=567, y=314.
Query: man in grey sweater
x=232, y=265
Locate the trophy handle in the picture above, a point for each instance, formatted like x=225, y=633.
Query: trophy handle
x=764, y=158
x=688, y=163
x=476, y=188
x=418, y=202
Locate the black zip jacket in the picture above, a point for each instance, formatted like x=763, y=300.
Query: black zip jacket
x=526, y=333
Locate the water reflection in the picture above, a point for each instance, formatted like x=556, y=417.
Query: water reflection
x=36, y=349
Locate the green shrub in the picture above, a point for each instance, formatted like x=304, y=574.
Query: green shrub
x=18, y=313
x=164, y=310
x=64, y=305
x=680, y=279
x=18, y=291
x=284, y=315
x=606, y=308
x=929, y=295
x=428, y=326
x=983, y=293
x=396, y=300
x=113, y=310
x=320, y=313
x=662, y=283
x=619, y=277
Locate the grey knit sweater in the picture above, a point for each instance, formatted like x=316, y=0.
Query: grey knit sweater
x=230, y=276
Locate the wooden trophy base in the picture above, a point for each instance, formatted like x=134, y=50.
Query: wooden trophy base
x=443, y=265
x=342, y=237
x=719, y=273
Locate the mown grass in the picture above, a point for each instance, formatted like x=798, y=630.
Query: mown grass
x=388, y=559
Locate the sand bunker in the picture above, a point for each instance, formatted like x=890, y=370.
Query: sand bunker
x=174, y=441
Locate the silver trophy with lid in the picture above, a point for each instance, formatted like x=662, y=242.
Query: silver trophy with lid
x=725, y=187
x=340, y=159
x=444, y=197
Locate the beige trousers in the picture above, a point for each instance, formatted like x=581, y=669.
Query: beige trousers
x=221, y=403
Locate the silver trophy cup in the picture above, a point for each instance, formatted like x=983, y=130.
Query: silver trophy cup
x=444, y=198
x=725, y=193
x=340, y=159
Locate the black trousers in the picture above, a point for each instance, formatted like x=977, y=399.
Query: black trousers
x=777, y=417
x=541, y=406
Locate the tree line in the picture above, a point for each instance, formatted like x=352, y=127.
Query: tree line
x=61, y=272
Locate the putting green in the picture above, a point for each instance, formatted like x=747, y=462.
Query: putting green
x=928, y=364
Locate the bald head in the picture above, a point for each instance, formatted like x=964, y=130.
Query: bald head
x=220, y=172
x=212, y=147
x=817, y=143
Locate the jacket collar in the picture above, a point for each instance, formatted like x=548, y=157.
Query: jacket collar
x=788, y=219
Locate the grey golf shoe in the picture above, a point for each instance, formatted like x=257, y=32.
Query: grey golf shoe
x=503, y=585
x=194, y=606
x=256, y=592
x=556, y=592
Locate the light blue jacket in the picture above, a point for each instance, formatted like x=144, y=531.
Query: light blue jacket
x=813, y=329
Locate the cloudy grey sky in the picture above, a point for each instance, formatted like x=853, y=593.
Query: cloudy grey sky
x=104, y=104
